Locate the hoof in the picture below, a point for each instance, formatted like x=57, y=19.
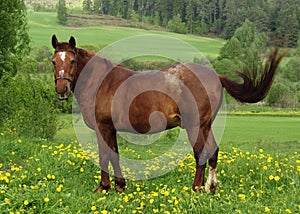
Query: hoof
x=211, y=188
x=119, y=189
x=198, y=188
x=101, y=189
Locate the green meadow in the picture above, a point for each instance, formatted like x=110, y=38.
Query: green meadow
x=258, y=167
x=44, y=25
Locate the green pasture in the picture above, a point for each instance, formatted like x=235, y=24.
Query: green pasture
x=274, y=134
x=43, y=25
x=258, y=172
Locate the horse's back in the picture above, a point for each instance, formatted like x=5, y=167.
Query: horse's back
x=203, y=83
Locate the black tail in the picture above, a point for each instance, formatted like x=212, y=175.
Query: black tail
x=256, y=82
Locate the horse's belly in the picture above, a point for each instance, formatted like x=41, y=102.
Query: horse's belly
x=150, y=112
x=152, y=123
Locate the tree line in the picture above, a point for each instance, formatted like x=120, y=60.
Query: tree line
x=279, y=19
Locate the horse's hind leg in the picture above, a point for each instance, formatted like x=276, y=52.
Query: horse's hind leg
x=196, y=138
x=211, y=183
x=205, y=149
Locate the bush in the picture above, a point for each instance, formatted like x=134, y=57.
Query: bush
x=282, y=94
x=176, y=25
x=147, y=65
x=26, y=104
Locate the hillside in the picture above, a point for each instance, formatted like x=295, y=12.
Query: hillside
x=42, y=25
x=85, y=20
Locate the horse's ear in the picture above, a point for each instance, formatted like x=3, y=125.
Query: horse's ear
x=54, y=42
x=72, y=42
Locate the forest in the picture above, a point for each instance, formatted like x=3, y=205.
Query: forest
x=279, y=19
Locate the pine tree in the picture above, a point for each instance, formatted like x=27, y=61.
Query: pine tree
x=97, y=7
x=62, y=15
x=87, y=5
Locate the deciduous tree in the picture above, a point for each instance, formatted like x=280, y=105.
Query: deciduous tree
x=14, y=38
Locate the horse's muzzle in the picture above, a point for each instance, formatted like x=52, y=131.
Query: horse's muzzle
x=63, y=94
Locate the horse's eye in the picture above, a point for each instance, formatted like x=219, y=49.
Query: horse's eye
x=53, y=62
x=73, y=62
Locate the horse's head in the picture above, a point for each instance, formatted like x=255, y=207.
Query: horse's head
x=64, y=62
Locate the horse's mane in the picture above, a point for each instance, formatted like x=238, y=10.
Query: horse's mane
x=84, y=53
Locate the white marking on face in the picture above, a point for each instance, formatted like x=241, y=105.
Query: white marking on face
x=62, y=55
x=61, y=73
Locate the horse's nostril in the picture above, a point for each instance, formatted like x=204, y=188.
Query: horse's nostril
x=62, y=90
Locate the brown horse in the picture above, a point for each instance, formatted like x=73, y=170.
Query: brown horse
x=113, y=98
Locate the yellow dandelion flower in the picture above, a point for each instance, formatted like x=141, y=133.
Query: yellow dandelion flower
x=19, y=141
x=267, y=209
x=104, y=212
x=6, y=200
x=276, y=178
x=93, y=208
x=46, y=200
x=185, y=188
x=288, y=211
x=81, y=169
x=261, y=150
x=155, y=210
x=242, y=197
x=26, y=202
x=58, y=189
x=279, y=188
x=176, y=202
x=265, y=167
x=271, y=177
x=151, y=201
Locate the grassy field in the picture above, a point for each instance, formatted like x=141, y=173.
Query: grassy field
x=43, y=25
x=259, y=171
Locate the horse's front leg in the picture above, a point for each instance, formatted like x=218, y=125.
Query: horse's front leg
x=103, y=152
x=108, y=151
x=115, y=160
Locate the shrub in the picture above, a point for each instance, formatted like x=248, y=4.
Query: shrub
x=282, y=94
x=176, y=25
x=26, y=103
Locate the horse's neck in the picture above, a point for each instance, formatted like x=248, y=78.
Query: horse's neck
x=89, y=62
